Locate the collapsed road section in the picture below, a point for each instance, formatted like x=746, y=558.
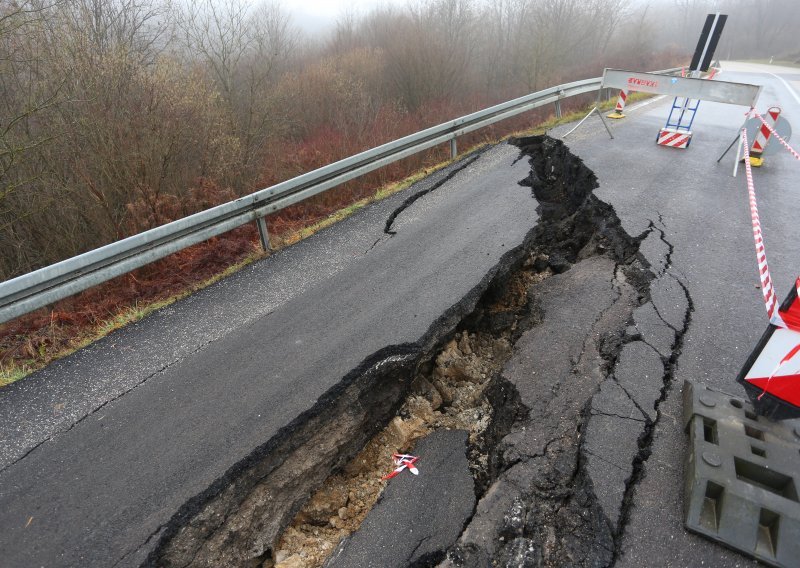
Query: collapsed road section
x=293, y=363
x=534, y=326
x=567, y=469
x=556, y=376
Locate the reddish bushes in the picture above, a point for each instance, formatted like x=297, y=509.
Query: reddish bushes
x=48, y=331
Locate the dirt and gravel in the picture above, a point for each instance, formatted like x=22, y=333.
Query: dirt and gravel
x=448, y=391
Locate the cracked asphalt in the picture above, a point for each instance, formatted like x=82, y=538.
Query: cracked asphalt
x=100, y=450
x=706, y=312
x=423, y=514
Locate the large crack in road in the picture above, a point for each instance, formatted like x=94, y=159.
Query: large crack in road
x=569, y=411
x=569, y=469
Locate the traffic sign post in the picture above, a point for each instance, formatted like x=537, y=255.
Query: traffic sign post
x=707, y=44
x=677, y=133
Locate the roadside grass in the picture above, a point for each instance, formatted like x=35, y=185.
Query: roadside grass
x=17, y=369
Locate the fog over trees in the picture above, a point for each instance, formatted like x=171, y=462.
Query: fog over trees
x=120, y=115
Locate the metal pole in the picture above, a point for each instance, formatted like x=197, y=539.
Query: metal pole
x=603, y=120
x=594, y=110
x=453, y=149
x=728, y=149
x=738, y=152
x=558, y=109
x=263, y=234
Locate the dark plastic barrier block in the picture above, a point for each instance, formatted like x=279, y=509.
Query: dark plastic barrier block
x=742, y=476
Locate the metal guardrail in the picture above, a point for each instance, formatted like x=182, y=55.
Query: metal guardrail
x=41, y=287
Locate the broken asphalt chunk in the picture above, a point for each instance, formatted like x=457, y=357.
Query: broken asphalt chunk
x=418, y=517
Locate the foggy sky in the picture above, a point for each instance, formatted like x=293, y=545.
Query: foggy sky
x=318, y=15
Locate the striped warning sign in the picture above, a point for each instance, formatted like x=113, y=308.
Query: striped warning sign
x=673, y=138
x=771, y=374
x=623, y=96
x=762, y=137
x=776, y=369
x=781, y=130
x=617, y=113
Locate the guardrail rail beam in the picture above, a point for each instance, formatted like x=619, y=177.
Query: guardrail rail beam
x=47, y=285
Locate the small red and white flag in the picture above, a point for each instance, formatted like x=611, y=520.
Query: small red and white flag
x=403, y=461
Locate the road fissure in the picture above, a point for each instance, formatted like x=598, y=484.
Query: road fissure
x=488, y=371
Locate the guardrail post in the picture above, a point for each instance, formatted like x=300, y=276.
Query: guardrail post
x=558, y=103
x=263, y=233
x=453, y=149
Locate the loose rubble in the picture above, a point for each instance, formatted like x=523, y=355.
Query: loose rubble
x=451, y=395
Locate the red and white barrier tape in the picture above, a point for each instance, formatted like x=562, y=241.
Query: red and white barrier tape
x=403, y=461
x=770, y=297
x=776, y=135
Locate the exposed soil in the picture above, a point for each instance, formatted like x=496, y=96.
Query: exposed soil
x=239, y=519
x=449, y=392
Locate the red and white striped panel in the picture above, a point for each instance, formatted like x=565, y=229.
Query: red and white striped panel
x=667, y=137
x=762, y=136
x=623, y=96
x=765, y=124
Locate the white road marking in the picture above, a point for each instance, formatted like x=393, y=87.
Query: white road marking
x=637, y=106
x=788, y=86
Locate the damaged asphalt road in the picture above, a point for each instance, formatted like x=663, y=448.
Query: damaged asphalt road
x=289, y=393
x=193, y=437
x=560, y=493
x=699, y=244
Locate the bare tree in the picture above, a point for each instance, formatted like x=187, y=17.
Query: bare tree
x=428, y=56
x=245, y=48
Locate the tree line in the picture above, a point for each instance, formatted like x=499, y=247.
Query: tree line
x=120, y=115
